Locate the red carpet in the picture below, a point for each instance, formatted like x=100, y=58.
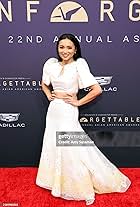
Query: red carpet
x=17, y=188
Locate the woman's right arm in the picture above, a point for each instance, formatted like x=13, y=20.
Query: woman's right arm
x=46, y=78
x=47, y=91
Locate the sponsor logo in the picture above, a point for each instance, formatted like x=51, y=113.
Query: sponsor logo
x=109, y=120
x=69, y=11
x=83, y=119
x=9, y=117
x=19, y=84
x=27, y=84
x=9, y=120
x=104, y=80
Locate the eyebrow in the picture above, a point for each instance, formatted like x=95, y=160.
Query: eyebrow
x=66, y=45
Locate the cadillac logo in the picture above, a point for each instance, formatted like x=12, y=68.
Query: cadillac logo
x=10, y=117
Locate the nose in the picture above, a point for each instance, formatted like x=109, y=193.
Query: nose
x=65, y=51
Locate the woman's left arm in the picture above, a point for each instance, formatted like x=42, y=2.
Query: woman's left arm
x=95, y=91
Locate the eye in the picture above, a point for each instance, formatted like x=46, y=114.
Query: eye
x=61, y=46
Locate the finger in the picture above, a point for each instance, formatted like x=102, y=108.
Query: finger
x=52, y=92
x=68, y=94
x=51, y=98
x=67, y=101
x=66, y=97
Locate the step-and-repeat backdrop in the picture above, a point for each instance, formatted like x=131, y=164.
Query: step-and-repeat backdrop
x=109, y=35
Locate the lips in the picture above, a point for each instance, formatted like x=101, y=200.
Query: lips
x=65, y=56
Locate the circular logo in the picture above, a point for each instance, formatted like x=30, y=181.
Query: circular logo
x=69, y=12
x=83, y=119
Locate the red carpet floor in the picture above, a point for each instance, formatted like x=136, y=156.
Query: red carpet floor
x=17, y=188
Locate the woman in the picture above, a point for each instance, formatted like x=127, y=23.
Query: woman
x=72, y=172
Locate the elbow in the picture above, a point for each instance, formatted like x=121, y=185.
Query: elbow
x=99, y=90
x=42, y=86
x=96, y=90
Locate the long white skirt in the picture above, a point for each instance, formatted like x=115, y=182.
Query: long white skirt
x=74, y=172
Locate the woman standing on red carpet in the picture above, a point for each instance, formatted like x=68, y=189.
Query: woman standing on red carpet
x=72, y=172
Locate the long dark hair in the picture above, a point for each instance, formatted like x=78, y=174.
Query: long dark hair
x=75, y=42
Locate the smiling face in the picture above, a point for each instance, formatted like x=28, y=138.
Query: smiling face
x=66, y=50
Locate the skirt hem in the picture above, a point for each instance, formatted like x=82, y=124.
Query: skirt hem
x=64, y=196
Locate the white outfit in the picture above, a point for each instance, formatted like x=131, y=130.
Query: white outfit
x=73, y=172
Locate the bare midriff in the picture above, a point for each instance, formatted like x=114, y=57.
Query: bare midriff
x=63, y=95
